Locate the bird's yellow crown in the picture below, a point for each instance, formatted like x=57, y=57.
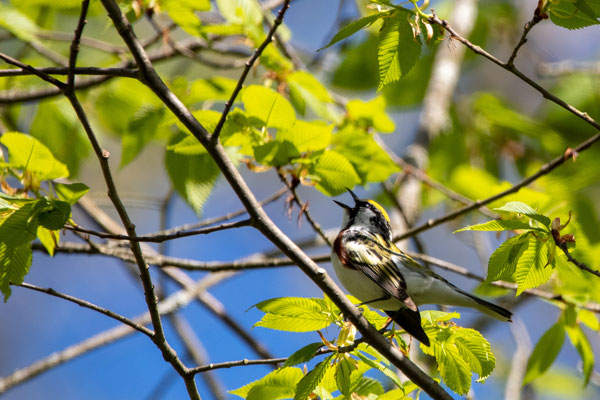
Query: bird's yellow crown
x=380, y=208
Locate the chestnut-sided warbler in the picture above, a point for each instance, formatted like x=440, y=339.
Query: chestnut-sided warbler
x=374, y=270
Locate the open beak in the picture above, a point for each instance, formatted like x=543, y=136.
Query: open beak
x=344, y=206
x=347, y=207
x=354, y=196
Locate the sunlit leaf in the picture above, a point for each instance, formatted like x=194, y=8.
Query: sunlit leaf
x=26, y=152
x=399, y=49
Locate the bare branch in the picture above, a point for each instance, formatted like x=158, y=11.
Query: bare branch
x=34, y=71
x=123, y=72
x=91, y=306
x=211, y=221
x=74, y=48
x=157, y=238
x=304, y=208
x=537, y=17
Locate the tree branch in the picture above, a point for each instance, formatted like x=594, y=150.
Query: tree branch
x=158, y=238
x=87, y=304
x=537, y=17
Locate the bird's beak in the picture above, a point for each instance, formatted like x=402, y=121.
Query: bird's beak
x=354, y=196
x=342, y=205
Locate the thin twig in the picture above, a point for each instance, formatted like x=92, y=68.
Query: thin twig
x=537, y=17
x=154, y=238
x=246, y=70
x=211, y=221
x=74, y=48
x=304, y=208
x=230, y=364
x=34, y=71
x=91, y=306
x=122, y=72
x=563, y=246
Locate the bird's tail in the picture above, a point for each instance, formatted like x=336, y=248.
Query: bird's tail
x=410, y=321
x=491, y=309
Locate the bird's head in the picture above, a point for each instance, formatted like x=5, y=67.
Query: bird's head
x=366, y=214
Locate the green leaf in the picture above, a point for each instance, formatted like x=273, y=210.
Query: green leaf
x=476, y=350
x=183, y=13
x=454, y=370
x=371, y=113
x=192, y=176
x=367, y=386
x=27, y=153
x=522, y=208
x=381, y=367
x=311, y=380
x=20, y=226
x=215, y=88
x=57, y=127
x=245, y=12
x=432, y=317
x=342, y=375
x=584, y=348
x=398, y=49
x=142, y=128
x=354, y=27
x=55, y=214
x=71, y=192
x=503, y=261
x=566, y=14
x=305, y=354
x=276, y=153
x=498, y=225
x=335, y=173
x=189, y=145
x=307, y=136
x=294, y=314
x=291, y=306
x=305, y=90
x=275, y=385
x=268, y=106
x=545, y=352
x=14, y=265
x=49, y=239
x=369, y=160
x=394, y=394
x=532, y=267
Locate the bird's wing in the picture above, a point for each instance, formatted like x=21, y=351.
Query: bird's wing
x=367, y=253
